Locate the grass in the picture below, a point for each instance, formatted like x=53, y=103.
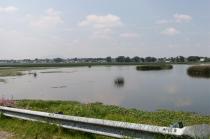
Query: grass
x=89, y=64
x=66, y=64
x=16, y=71
x=26, y=129
x=199, y=71
x=154, y=67
x=21, y=129
x=10, y=72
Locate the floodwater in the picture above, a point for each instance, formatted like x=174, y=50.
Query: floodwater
x=144, y=90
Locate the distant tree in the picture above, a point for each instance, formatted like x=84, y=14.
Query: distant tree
x=109, y=59
x=180, y=59
x=207, y=59
x=47, y=60
x=136, y=59
x=120, y=59
x=142, y=60
x=127, y=59
x=58, y=60
x=161, y=60
x=150, y=59
x=193, y=58
x=172, y=59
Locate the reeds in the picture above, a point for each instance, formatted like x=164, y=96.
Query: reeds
x=154, y=67
x=199, y=71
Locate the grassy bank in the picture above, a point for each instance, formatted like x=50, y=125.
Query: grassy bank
x=93, y=64
x=16, y=71
x=10, y=72
x=67, y=64
x=25, y=129
x=199, y=71
x=154, y=67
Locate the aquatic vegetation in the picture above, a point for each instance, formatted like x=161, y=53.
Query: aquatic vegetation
x=199, y=71
x=50, y=72
x=10, y=72
x=3, y=80
x=63, y=86
x=154, y=67
x=17, y=71
x=119, y=82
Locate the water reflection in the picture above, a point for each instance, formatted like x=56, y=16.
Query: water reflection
x=171, y=89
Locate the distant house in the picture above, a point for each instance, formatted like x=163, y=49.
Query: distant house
x=202, y=60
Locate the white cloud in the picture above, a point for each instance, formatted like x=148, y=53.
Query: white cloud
x=163, y=21
x=180, y=18
x=102, y=26
x=51, y=19
x=129, y=35
x=8, y=9
x=170, y=31
x=102, y=33
x=107, y=21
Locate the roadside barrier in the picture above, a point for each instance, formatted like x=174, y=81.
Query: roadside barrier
x=107, y=127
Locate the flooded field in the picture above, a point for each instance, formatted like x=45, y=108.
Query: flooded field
x=145, y=90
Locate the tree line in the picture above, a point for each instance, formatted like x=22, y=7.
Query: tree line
x=178, y=59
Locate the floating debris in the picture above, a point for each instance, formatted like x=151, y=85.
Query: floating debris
x=119, y=82
x=52, y=72
x=3, y=80
x=59, y=86
x=35, y=74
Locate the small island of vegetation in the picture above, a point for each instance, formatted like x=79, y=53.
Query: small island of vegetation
x=199, y=71
x=154, y=67
x=119, y=82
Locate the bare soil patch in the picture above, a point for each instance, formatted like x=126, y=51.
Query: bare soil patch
x=5, y=135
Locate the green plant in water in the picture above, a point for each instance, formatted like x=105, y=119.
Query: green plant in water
x=154, y=67
x=199, y=71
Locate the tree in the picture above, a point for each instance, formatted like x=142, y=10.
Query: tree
x=58, y=60
x=150, y=59
x=120, y=59
x=142, y=59
x=193, y=59
x=127, y=59
x=109, y=59
x=180, y=59
x=136, y=59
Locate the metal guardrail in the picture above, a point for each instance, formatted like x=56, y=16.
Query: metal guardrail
x=107, y=127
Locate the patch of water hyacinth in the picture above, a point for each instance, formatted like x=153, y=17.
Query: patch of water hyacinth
x=154, y=67
x=199, y=71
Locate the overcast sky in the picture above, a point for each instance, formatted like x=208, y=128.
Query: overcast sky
x=100, y=28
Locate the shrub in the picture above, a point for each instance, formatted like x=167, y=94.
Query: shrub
x=154, y=67
x=199, y=71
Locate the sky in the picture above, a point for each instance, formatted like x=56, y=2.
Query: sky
x=100, y=28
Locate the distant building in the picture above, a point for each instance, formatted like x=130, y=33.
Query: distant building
x=202, y=60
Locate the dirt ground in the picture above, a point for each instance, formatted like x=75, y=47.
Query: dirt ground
x=5, y=135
